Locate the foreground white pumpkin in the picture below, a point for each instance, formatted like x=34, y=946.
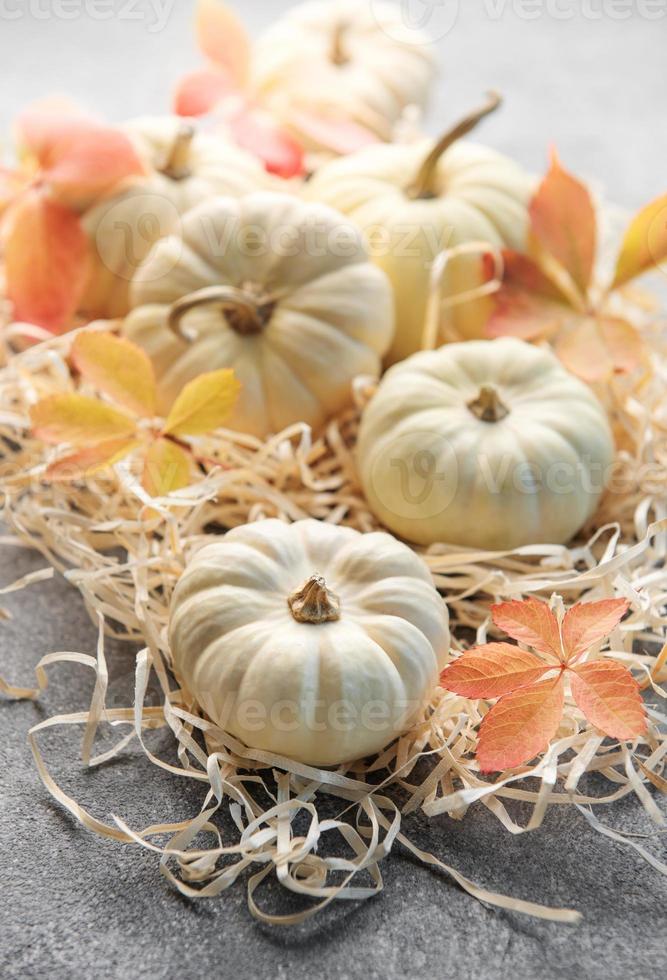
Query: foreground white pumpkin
x=414, y=201
x=183, y=168
x=278, y=290
x=309, y=640
x=345, y=59
x=486, y=444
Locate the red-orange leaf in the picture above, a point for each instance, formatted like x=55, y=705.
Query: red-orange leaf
x=118, y=368
x=47, y=260
x=608, y=695
x=223, y=38
x=90, y=164
x=48, y=125
x=89, y=461
x=492, y=670
x=645, y=242
x=528, y=304
x=258, y=132
x=589, y=622
x=563, y=222
x=532, y=622
x=199, y=92
x=342, y=136
x=520, y=725
x=596, y=348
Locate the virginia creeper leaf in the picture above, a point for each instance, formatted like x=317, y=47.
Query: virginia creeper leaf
x=118, y=368
x=49, y=123
x=258, y=132
x=563, y=222
x=520, y=725
x=90, y=164
x=528, y=304
x=78, y=421
x=608, y=695
x=166, y=468
x=223, y=38
x=204, y=404
x=492, y=670
x=342, y=136
x=645, y=242
x=47, y=260
x=586, y=623
x=199, y=92
x=598, y=347
x=90, y=460
x=532, y=622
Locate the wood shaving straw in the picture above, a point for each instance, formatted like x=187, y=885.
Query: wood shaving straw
x=125, y=551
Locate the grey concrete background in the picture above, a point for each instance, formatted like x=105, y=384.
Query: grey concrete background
x=75, y=906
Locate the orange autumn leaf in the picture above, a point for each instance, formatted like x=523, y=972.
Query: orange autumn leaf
x=520, y=725
x=644, y=244
x=47, y=260
x=529, y=304
x=586, y=623
x=118, y=368
x=223, y=39
x=48, y=124
x=166, y=468
x=199, y=92
x=90, y=460
x=599, y=347
x=204, y=404
x=564, y=224
x=341, y=136
x=258, y=132
x=78, y=421
x=492, y=670
x=531, y=622
x=609, y=697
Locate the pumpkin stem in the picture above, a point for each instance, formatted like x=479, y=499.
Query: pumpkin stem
x=244, y=312
x=423, y=186
x=314, y=603
x=488, y=406
x=338, y=54
x=177, y=163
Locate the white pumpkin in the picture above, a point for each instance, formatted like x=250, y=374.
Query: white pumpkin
x=280, y=291
x=309, y=640
x=485, y=444
x=345, y=59
x=183, y=168
x=414, y=201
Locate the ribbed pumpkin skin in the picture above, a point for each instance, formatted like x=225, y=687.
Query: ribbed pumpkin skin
x=124, y=227
x=434, y=472
x=481, y=196
x=320, y=694
x=332, y=318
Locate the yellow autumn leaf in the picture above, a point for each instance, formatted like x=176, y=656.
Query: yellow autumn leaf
x=166, y=468
x=645, y=242
x=204, y=404
x=118, y=368
x=78, y=421
x=90, y=460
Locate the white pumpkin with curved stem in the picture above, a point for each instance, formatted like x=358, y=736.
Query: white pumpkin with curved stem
x=309, y=640
x=280, y=291
x=183, y=168
x=485, y=444
x=414, y=201
x=351, y=60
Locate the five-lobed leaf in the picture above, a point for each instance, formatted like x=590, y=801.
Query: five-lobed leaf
x=531, y=622
x=609, y=697
x=492, y=670
x=644, y=244
x=564, y=224
x=78, y=421
x=204, y=404
x=118, y=368
x=47, y=260
x=520, y=725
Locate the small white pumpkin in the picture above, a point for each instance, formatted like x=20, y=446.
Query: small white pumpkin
x=309, y=640
x=348, y=59
x=183, y=168
x=280, y=291
x=485, y=444
x=414, y=201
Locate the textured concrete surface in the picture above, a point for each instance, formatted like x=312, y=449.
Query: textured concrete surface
x=75, y=906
